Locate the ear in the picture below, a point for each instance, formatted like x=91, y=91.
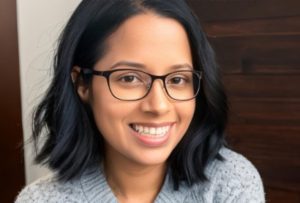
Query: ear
x=82, y=88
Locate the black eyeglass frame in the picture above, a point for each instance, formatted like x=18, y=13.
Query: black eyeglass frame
x=107, y=73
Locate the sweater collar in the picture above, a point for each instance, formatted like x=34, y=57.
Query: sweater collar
x=96, y=189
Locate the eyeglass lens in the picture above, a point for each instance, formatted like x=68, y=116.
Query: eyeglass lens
x=134, y=85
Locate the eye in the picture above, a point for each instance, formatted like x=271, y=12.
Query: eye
x=128, y=78
x=176, y=80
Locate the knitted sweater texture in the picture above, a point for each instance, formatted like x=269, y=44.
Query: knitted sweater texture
x=233, y=180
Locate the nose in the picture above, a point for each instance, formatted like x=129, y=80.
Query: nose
x=157, y=101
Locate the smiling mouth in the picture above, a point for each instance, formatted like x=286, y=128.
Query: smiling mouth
x=154, y=132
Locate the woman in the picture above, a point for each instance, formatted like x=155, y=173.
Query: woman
x=136, y=112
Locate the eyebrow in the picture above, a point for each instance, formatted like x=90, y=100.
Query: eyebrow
x=142, y=66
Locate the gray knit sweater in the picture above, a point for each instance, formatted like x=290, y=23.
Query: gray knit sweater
x=234, y=180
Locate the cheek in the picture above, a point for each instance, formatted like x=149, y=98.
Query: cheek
x=101, y=102
x=186, y=111
x=109, y=113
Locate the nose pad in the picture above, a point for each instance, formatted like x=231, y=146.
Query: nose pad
x=157, y=100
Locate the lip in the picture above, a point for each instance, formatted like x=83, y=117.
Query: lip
x=152, y=141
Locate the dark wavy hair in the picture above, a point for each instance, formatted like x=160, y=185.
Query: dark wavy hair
x=72, y=141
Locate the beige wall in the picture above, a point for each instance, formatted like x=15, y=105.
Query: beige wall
x=39, y=24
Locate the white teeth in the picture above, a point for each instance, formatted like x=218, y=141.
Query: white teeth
x=146, y=130
x=151, y=131
x=159, y=131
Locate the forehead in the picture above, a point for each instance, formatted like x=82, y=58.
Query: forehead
x=149, y=37
x=155, y=25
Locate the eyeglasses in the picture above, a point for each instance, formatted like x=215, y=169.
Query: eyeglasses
x=133, y=85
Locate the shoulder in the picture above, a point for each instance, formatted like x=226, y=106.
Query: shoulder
x=49, y=189
x=235, y=180
x=234, y=166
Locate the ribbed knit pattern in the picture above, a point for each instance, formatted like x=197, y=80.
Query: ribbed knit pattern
x=234, y=180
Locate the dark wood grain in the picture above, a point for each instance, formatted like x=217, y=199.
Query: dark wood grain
x=257, y=43
x=269, y=152
x=263, y=86
x=224, y=10
x=252, y=111
x=262, y=54
x=281, y=195
x=273, y=26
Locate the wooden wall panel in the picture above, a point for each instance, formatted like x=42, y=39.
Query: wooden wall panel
x=260, y=54
x=275, y=161
x=263, y=86
x=257, y=43
x=249, y=111
x=220, y=10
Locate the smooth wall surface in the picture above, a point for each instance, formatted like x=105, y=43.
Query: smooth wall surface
x=39, y=25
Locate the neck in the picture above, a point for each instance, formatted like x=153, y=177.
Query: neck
x=132, y=182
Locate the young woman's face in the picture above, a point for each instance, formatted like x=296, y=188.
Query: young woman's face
x=144, y=131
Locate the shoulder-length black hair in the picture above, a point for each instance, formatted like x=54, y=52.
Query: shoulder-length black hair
x=73, y=142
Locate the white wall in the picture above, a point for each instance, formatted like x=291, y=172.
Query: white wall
x=39, y=24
